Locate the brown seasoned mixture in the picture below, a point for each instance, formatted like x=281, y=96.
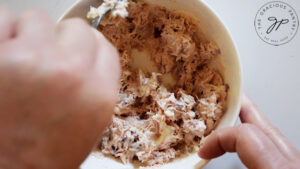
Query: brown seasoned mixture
x=153, y=123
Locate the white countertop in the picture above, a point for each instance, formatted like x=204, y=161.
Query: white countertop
x=271, y=74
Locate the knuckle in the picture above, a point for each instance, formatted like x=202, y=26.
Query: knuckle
x=244, y=130
x=271, y=130
x=246, y=127
x=76, y=31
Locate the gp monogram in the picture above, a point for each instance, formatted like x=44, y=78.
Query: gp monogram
x=276, y=23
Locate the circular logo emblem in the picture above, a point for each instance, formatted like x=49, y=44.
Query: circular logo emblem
x=276, y=23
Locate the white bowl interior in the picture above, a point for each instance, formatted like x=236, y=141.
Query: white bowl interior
x=213, y=29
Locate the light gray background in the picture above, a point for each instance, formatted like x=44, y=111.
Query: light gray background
x=271, y=74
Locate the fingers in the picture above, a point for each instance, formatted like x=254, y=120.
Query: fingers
x=35, y=25
x=76, y=37
x=6, y=24
x=251, y=114
x=254, y=148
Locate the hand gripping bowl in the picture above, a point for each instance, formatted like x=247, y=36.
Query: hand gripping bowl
x=213, y=29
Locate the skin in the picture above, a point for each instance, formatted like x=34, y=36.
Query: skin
x=58, y=87
x=257, y=142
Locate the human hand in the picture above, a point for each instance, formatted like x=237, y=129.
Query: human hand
x=258, y=144
x=58, y=86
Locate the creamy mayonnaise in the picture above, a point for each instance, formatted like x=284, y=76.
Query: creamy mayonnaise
x=117, y=7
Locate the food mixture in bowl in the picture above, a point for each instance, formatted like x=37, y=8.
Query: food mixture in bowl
x=156, y=120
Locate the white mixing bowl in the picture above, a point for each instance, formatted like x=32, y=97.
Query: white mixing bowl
x=213, y=28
